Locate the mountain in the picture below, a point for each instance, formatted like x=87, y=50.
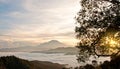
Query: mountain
x=43, y=46
x=5, y=44
x=13, y=44
x=65, y=50
x=18, y=49
x=51, y=45
x=12, y=62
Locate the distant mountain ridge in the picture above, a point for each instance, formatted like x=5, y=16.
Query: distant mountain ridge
x=13, y=44
x=43, y=46
x=52, y=45
x=52, y=42
x=65, y=50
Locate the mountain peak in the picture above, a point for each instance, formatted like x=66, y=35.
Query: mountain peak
x=54, y=41
x=52, y=44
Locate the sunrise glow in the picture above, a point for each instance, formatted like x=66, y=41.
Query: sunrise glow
x=111, y=42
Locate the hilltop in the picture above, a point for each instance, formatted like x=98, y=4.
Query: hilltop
x=12, y=62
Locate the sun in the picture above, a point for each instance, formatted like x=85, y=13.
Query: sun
x=113, y=43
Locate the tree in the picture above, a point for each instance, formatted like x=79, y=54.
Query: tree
x=98, y=28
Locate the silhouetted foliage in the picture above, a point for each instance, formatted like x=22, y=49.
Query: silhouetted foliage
x=89, y=67
x=97, y=20
x=114, y=63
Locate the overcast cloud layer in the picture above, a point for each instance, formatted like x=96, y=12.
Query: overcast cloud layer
x=38, y=20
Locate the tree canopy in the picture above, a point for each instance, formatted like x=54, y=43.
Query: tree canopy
x=98, y=28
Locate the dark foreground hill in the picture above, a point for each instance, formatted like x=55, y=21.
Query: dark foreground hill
x=12, y=62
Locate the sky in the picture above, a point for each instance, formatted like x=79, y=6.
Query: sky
x=38, y=21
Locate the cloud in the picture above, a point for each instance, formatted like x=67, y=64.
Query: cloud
x=40, y=19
